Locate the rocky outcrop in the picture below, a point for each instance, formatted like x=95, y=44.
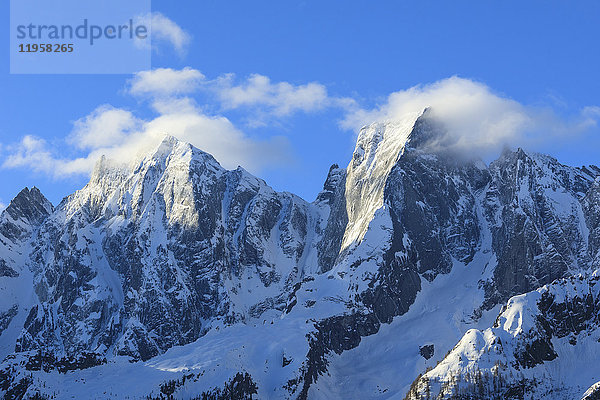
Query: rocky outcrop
x=591, y=207
x=333, y=200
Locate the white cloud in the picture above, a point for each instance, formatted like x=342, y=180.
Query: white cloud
x=2, y=206
x=132, y=137
x=269, y=101
x=281, y=98
x=165, y=82
x=476, y=118
x=120, y=135
x=265, y=100
x=591, y=115
x=166, y=30
x=219, y=137
x=105, y=126
x=35, y=154
x=174, y=105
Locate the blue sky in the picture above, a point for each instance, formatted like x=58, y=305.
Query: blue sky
x=281, y=87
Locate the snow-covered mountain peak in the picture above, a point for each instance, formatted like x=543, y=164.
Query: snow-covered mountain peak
x=380, y=139
x=18, y=221
x=377, y=150
x=428, y=133
x=106, y=176
x=29, y=204
x=116, y=188
x=111, y=170
x=546, y=170
x=172, y=149
x=27, y=210
x=543, y=341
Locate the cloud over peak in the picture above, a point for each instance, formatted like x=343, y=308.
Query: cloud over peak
x=476, y=118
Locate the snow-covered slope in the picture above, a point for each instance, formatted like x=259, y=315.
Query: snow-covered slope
x=175, y=277
x=544, y=345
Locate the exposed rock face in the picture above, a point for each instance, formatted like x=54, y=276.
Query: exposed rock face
x=177, y=251
x=333, y=201
x=24, y=213
x=432, y=198
x=427, y=351
x=591, y=206
x=7, y=316
x=538, y=221
x=377, y=150
x=18, y=222
x=240, y=387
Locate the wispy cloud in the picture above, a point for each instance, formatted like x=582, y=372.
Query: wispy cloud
x=281, y=98
x=273, y=100
x=264, y=100
x=165, y=82
x=35, y=154
x=591, y=114
x=164, y=30
x=2, y=206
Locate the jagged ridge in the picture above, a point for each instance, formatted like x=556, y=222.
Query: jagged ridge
x=175, y=250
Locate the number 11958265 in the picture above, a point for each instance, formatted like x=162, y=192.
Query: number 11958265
x=45, y=48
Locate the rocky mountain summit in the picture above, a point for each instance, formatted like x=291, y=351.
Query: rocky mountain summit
x=175, y=278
